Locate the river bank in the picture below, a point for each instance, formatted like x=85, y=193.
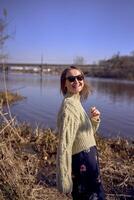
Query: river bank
x=9, y=97
x=28, y=164
x=117, y=67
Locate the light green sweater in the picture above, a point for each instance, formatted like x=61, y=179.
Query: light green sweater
x=76, y=133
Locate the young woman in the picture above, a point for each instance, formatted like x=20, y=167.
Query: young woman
x=77, y=162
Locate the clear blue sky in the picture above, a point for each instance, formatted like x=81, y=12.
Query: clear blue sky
x=60, y=30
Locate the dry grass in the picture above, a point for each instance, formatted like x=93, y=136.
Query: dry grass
x=9, y=96
x=28, y=164
x=117, y=167
x=25, y=155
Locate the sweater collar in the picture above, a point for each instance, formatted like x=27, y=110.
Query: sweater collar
x=73, y=96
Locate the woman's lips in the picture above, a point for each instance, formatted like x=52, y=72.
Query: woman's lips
x=75, y=86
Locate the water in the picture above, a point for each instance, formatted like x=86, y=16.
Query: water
x=114, y=98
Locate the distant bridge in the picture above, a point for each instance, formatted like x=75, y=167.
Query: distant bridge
x=32, y=65
x=40, y=66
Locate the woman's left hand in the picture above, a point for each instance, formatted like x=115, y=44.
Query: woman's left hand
x=94, y=112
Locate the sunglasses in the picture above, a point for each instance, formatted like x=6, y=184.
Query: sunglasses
x=73, y=78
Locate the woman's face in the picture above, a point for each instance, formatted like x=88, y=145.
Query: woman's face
x=74, y=81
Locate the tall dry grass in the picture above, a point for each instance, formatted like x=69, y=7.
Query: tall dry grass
x=27, y=164
x=25, y=160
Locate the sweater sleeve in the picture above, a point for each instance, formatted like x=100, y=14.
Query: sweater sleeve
x=95, y=124
x=67, y=131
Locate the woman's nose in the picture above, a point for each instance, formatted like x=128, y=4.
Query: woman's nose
x=76, y=80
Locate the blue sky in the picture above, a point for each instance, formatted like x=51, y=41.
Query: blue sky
x=61, y=30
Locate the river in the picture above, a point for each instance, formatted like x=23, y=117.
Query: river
x=114, y=98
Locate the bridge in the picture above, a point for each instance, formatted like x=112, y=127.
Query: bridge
x=40, y=67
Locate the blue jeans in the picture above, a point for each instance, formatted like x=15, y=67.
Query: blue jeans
x=86, y=176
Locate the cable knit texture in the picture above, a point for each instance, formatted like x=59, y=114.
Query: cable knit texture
x=76, y=133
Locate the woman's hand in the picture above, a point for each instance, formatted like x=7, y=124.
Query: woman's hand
x=94, y=113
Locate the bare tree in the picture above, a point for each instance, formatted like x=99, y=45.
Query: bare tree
x=132, y=53
x=3, y=34
x=79, y=60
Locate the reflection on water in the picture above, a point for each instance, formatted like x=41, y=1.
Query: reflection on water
x=117, y=90
x=114, y=98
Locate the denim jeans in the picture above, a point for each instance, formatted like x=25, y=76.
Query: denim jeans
x=86, y=176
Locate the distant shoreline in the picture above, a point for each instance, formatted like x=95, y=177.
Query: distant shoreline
x=93, y=73
x=117, y=67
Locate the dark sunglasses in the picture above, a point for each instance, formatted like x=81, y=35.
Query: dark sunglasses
x=73, y=78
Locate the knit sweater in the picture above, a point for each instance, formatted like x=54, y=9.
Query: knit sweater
x=76, y=133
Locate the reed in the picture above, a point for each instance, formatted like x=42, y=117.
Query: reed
x=9, y=96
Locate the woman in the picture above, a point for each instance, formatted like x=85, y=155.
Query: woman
x=77, y=162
